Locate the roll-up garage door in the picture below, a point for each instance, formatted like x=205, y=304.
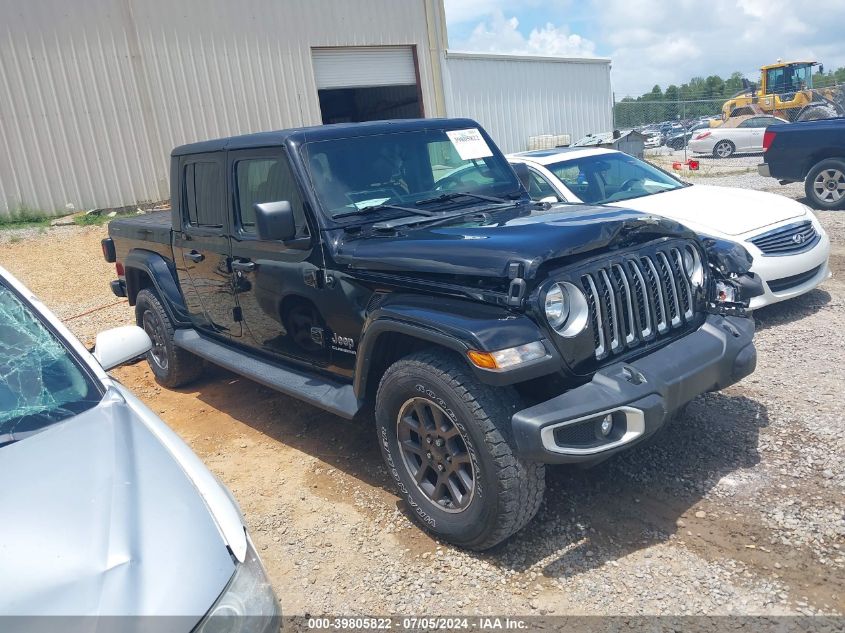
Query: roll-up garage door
x=364, y=67
x=366, y=83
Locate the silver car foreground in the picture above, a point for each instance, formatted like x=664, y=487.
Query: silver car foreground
x=105, y=511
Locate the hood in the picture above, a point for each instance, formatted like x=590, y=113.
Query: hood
x=718, y=210
x=100, y=519
x=529, y=234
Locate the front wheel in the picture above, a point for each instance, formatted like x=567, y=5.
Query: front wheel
x=825, y=184
x=723, y=149
x=445, y=438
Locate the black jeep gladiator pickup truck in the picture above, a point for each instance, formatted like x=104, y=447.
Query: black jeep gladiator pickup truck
x=812, y=151
x=401, y=265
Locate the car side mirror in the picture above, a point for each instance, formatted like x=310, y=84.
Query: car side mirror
x=120, y=345
x=275, y=221
x=523, y=174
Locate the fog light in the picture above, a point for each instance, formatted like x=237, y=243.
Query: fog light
x=606, y=425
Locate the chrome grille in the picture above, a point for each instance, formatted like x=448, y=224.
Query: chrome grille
x=643, y=296
x=788, y=240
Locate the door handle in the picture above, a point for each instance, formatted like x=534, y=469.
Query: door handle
x=195, y=257
x=243, y=266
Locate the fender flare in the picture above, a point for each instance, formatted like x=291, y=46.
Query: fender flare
x=458, y=325
x=163, y=278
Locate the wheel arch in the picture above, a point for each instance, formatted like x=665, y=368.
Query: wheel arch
x=403, y=325
x=146, y=269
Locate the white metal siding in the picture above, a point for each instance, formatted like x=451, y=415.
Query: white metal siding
x=514, y=98
x=364, y=67
x=95, y=93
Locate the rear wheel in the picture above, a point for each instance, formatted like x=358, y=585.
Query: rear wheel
x=171, y=365
x=723, y=149
x=825, y=184
x=445, y=438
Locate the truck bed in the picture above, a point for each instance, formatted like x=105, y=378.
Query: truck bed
x=149, y=232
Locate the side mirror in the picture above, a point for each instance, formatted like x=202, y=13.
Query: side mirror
x=275, y=221
x=120, y=345
x=523, y=174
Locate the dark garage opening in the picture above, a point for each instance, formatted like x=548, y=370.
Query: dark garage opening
x=350, y=105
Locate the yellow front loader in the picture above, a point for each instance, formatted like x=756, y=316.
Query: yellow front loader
x=786, y=90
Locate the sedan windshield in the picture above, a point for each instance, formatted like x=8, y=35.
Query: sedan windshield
x=41, y=383
x=404, y=171
x=612, y=177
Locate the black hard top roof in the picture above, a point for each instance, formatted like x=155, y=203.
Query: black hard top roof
x=320, y=133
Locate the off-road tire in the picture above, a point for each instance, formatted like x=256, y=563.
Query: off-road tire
x=726, y=144
x=181, y=367
x=834, y=166
x=508, y=490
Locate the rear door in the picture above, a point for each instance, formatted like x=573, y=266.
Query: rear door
x=275, y=282
x=202, y=245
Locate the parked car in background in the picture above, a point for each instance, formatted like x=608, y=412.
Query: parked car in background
x=679, y=139
x=789, y=246
x=742, y=134
x=106, y=512
x=812, y=151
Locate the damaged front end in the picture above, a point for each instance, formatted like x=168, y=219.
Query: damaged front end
x=732, y=284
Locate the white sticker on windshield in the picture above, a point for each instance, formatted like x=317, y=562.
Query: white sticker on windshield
x=469, y=143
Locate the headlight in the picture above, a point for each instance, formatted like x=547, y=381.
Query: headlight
x=247, y=604
x=566, y=308
x=692, y=264
x=556, y=305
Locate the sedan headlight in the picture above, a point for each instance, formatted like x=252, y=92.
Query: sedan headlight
x=556, y=305
x=248, y=604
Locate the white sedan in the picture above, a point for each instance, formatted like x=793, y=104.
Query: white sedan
x=789, y=246
x=742, y=134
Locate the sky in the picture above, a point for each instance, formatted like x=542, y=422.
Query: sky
x=655, y=41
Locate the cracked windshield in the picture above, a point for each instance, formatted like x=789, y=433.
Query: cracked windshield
x=40, y=382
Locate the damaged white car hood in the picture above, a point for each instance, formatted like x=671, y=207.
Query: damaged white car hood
x=100, y=518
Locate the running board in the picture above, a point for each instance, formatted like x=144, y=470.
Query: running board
x=325, y=393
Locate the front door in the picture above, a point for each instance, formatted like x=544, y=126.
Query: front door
x=201, y=248
x=276, y=283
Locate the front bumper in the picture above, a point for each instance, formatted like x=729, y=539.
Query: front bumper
x=639, y=397
x=789, y=276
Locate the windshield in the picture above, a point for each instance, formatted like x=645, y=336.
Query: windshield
x=612, y=177
x=403, y=168
x=41, y=383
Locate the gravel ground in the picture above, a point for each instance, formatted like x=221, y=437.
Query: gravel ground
x=737, y=509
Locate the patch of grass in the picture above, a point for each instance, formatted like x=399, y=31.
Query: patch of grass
x=24, y=217
x=92, y=219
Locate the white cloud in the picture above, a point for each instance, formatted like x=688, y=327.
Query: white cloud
x=500, y=34
x=655, y=41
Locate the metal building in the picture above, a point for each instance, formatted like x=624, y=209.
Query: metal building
x=516, y=97
x=97, y=92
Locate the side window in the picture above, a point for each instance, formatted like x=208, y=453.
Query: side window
x=775, y=80
x=204, y=194
x=748, y=123
x=267, y=179
x=539, y=187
